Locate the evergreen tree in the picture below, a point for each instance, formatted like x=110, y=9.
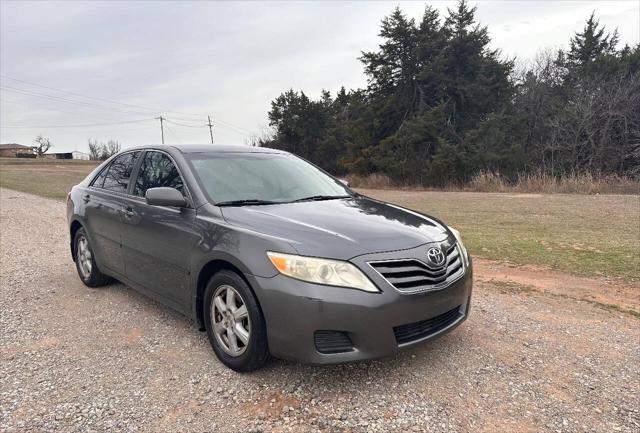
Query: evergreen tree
x=392, y=71
x=589, y=49
x=478, y=80
x=432, y=42
x=440, y=106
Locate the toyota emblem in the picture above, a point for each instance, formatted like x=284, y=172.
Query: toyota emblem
x=436, y=256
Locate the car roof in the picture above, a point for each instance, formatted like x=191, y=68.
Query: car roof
x=208, y=148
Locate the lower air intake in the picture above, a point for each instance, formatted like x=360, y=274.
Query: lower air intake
x=418, y=330
x=332, y=342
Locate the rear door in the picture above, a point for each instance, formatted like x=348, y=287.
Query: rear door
x=157, y=240
x=103, y=211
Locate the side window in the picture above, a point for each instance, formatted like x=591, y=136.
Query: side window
x=99, y=179
x=157, y=170
x=117, y=177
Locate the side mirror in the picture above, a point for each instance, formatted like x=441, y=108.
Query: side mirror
x=345, y=182
x=165, y=197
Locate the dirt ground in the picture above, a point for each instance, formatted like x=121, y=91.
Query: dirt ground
x=541, y=352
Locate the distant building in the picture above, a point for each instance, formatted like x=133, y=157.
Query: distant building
x=68, y=155
x=12, y=150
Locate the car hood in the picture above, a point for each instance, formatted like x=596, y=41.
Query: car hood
x=341, y=228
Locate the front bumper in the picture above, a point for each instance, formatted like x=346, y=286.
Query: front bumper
x=295, y=310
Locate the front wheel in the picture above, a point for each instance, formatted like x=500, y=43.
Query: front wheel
x=234, y=322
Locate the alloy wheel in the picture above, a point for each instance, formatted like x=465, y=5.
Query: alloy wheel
x=230, y=319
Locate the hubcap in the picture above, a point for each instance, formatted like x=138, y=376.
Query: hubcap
x=230, y=319
x=83, y=254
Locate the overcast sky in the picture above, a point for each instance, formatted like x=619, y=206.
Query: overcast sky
x=186, y=60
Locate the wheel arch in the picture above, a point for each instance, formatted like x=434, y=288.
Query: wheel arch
x=73, y=229
x=208, y=270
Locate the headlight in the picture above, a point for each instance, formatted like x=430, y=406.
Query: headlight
x=465, y=256
x=322, y=271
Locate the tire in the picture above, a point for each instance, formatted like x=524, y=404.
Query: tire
x=239, y=340
x=86, y=262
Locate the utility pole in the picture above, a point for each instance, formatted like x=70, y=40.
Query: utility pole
x=161, y=127
x=210, y=125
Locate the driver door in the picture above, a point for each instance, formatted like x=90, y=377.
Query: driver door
x=157, y=240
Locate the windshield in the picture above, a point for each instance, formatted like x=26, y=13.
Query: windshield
x=262, y=177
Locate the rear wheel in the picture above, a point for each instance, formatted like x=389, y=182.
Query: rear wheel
x=234, y=322
x=86, y=262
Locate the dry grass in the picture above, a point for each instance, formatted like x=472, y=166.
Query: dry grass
x=544, y=183
x=372, y=181
x=45, y=177
x=595, y=235
x=525, y=183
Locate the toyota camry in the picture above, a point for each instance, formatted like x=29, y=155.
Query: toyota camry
x=268, y=254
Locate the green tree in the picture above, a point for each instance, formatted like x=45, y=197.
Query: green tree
x=391, y=73
x=478, y=80
x=453, y=84
x=308, y=128
x=591, y=50
x=440, y=105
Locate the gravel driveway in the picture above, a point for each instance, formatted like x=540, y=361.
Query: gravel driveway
x=79, y=360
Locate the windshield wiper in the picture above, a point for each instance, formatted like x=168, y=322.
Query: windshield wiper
x=246, y=202
x=320, y=197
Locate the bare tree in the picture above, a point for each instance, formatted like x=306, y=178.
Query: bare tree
x=112, y=147
x=263, y=138
x=42, y=145
x=95, y=150
x=101, y=151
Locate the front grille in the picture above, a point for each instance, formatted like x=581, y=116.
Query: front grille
x=332, y=342
x=416, y=331
x=413, y=275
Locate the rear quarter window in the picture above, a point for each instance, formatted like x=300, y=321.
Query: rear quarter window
x=118, y=174
x=98, y=181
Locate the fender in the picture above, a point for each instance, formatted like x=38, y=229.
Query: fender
x=213, y=256
x=77, y=219
x=225, y=261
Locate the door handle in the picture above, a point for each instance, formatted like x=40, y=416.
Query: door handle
x=86, y=198
x=128, y=212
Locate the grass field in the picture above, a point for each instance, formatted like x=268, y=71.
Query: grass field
x=45, y=177
x=590, y=235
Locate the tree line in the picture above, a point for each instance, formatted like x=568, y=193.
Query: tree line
x=98, y=150
x=101, y=151
x=441, y=106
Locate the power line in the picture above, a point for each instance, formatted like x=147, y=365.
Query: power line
x=24, y=103
x=230, y=128
x=86, y=104
x=110, y=101
x=89, y=125
x=172, y=132
x=186, y=126
x=85, y=125
x=68, y=101
x=231, y=125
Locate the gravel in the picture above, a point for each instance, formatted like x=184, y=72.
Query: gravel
x=75, y=359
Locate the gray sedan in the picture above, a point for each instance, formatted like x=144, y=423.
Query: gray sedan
x=268, y=253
